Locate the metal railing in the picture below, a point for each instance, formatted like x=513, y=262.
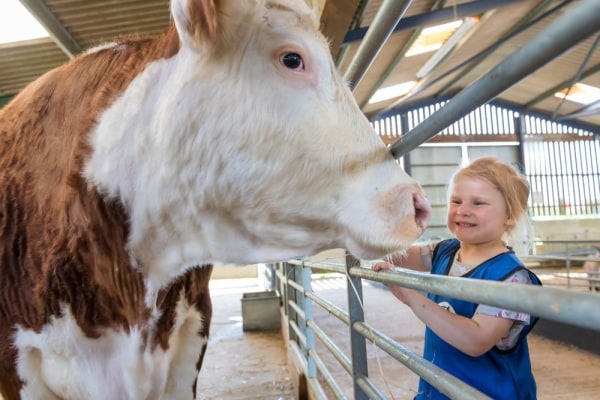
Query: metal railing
x=564, y=259
x=294, y=282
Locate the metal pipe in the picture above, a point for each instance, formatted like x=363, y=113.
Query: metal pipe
x=577, y=76
x=576, y=24
x=362, y=5
x=525, y=23
x=580, y=309
x=337, y=353
x=519, y=125
x=437, y=17
x=388, y=15
x=55, y=28
x=369, y=388
x=590, y=109
x=397, y=58
x=330, y=308
x=550, y=92
x=442, y=380
x=308, y=316
x=339, y=394
x=357, y=342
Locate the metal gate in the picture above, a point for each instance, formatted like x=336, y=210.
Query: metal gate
x=294, y=283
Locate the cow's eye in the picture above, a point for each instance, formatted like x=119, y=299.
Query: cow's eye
x=292, y=61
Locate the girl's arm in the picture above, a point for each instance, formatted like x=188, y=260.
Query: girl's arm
x=473, y=336
x=414, y=258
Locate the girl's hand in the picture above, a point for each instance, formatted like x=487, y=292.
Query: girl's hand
x=383, y=266
x=401, y=293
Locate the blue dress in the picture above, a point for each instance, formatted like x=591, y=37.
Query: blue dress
x=499, y=374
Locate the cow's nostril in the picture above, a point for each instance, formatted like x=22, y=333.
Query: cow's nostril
x=422, y=210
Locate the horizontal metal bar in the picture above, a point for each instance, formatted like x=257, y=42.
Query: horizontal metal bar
x=369, y=389
x=442, y=380
x=580, y=309
x=298, y=333
x=330, y=307
x=574, y=25
x=297, y=353
x=318, y=389
x=335, y=388
x=297, y=309
x=332, y=347
x=295, y=285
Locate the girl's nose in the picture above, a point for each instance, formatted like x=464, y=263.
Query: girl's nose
x=462, y=210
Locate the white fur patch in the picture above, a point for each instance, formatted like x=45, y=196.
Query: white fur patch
x=60, y=362
x=105, y=46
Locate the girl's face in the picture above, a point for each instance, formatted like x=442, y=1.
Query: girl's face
x=477, y=212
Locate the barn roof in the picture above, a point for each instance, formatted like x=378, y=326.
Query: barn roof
x=491, y=31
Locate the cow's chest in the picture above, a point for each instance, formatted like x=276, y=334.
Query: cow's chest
x=62, y=362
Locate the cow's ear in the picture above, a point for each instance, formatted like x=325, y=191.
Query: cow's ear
x=196, y=22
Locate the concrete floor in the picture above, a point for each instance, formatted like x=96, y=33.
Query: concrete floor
x=253, y=365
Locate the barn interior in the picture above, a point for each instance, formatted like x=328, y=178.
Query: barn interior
x=405, y=60
x=426, y=49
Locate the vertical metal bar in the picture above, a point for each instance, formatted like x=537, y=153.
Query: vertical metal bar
x=568, y=261
x=291, y=297
x=308, y=315
x=520, y=131
x=301, y=302
x=406, y=158
x=574, y=25
x=358, y=343
x=553, y=178
x=388, y=15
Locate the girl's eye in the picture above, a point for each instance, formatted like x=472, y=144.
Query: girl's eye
x=292, y=61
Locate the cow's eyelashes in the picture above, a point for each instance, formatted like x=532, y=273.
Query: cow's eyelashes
x=292, y=61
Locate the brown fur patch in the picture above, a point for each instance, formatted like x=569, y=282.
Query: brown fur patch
x=60, y=241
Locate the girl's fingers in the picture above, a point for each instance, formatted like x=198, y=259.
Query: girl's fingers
x=382, y=266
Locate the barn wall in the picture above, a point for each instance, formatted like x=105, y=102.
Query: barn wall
x=433, y=166
x=559, y=160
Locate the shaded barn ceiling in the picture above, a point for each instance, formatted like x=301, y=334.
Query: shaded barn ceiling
x=491, y=31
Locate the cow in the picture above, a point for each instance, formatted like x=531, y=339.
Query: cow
x=126, y=173
x=591, y=267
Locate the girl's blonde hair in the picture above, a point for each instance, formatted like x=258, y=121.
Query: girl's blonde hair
x=514, y=187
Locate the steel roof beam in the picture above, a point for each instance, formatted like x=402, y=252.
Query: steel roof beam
x=576, y=24
x=437, y=17
x=588, y=110
x=387, y=17
x=61, y=36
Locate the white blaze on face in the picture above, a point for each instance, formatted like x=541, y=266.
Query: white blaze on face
x=247, y=146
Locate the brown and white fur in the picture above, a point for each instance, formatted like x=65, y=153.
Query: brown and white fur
x=125, y=173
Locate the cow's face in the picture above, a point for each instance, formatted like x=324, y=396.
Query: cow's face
x=247, y=146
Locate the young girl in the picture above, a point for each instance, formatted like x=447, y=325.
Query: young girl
x=484, y=346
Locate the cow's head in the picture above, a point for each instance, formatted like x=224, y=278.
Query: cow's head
x=247, y=146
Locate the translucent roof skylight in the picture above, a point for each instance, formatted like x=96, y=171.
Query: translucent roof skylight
x=580, y=93
x=17, y=23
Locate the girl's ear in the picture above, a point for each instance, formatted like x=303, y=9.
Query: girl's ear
x=510, y=223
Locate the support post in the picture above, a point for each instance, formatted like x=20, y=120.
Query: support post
x=360, y=367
